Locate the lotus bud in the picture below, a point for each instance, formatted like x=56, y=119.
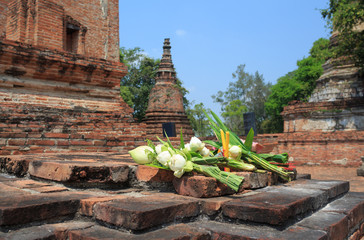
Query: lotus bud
x=196, y=144
x=158, y=148
x=205, y=152
x=141, y=155
x=187, y=147
x=164, y=158
x=235, y=152
x=177, y=162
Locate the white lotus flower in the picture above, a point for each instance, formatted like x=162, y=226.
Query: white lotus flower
x=235, y=151
x=164, y=158
x=196, y=144
x=177, y=162
x=141, y=155
x=205, y=152
x=158, y=148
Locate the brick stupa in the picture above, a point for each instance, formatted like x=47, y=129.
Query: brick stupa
x=165, y=100
x=336, y=104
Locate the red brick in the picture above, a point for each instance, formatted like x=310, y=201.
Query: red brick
x=151, y=174
x=41, y=142
x=56, y=135
x=200, y=187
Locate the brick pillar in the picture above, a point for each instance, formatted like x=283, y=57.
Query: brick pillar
x=165, y=99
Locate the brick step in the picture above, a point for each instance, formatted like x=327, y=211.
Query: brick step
x=341, y=219
x=27, y=208
x=271, y=212
x=279, y=205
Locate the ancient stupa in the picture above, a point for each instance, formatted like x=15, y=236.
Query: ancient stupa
x=337, y=102
x=165, y=107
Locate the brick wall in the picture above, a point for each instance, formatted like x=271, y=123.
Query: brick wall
x=43, y=23
x=34, y=123
x=3, y=10
x=324, y=116
x=55, y=102
x=341, y=148
x=58, y=71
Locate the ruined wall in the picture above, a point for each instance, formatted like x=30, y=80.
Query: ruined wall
x=345, y=115
x=44, y=23
x=342, y=148
x=52, y=102
x=3, y=10
x=54, y=99
x=31, y=123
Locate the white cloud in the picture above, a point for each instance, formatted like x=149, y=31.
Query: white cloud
x=181, y=32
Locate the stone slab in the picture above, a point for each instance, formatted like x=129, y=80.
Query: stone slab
x=36, y=207
x=176, y=232
x=352, y=205
x=317, y=198
x=228, y=231
x=145, y=212
x=336, y=225
x=47, y=231
x=333, y=188
x=97, y=232
x=267, y=207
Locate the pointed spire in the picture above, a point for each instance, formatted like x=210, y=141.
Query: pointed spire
x=166, y=73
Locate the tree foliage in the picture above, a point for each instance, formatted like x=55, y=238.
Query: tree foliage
x=344, y=17
x=247, y=94
x=136, y=85
x=296, y=85
x=198, y=120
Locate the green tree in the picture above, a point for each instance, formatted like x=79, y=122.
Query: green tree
x=137, y=84
x=247, y=94
x=198, y=120
x=233, y=115
x=344, y=17
x=296, y=85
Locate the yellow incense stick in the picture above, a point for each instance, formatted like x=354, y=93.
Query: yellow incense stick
x=227, y=141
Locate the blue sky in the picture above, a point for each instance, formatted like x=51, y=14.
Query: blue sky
x=211, y=38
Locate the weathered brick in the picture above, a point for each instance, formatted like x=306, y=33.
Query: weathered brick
x=145, y=212
x=200, y=187
x=28, y=208
x=151, y=174
x=273, y=207
x=335, y=224
x=352, y=205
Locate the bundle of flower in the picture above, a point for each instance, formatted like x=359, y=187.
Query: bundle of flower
x=230, y=152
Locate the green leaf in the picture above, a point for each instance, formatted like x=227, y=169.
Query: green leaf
x=216, y=145
x=249, y=139
x=182, y=142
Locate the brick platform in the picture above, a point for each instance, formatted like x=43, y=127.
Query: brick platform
x=43, y=209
